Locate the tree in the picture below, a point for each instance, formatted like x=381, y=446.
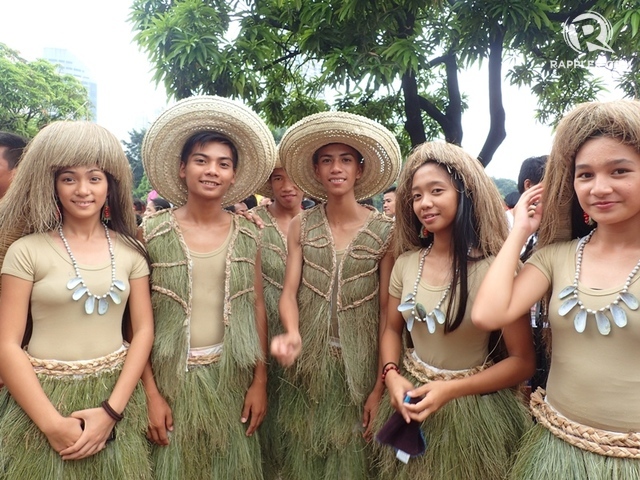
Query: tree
x=505, y=185
x=133, y=150
x=393, y=60
x=33, y=94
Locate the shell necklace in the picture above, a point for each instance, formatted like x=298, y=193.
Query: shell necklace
x=80, y=288
x=418, y=312
x=614, y=308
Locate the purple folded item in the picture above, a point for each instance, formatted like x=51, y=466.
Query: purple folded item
x=406, y=438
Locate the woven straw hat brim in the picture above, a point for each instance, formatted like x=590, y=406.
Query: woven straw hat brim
x=265, y=190
x=377, y=145
x=164, y=140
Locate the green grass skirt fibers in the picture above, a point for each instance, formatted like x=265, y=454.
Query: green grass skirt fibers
x=470, y=438
x=208, y=441
x=544, y=456
x=25, y=453
x=322, y=436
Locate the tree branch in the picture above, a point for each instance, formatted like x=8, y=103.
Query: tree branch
x=412, y=108
x=453, y=134
x=562, y=17
x=497, y=132
x=284, y=58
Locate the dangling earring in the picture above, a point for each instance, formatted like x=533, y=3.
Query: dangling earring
x=587, y=219
x=106, y=213
x=57, y=213
x=424, y=233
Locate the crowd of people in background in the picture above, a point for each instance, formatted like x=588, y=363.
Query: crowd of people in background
x=256, y=317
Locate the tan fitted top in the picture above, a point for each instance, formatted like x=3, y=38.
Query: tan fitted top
x=594, y=379
x=61, y=328
x=466, y=346
x=207, y=325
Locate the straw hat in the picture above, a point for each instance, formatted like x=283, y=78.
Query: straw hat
x=378, y=146
x=165, y=139
x=265, y=190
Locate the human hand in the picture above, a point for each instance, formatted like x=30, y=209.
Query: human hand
x=255, y=406
x=528, y=211
x=286, y=347
x=255, y=219
x=436, y=394
x=97, y=428
x=371, y=407
x=398, y=386
x=160, y=420
x=64, y=434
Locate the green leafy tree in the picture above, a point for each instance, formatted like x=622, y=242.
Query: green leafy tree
x=505, y=185
x=133, y=150
x=393, y=60
x=34, y=94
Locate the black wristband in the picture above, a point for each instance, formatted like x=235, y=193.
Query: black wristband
x=111, y=412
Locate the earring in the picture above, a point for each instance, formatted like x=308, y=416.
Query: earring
x=424, y=233
x=587, y=219
x=106, y=213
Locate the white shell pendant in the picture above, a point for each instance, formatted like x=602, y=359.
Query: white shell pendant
x=115, y=297
x=604, y=325
x=410, y=320
x=77, y=295
x=73, y=283
x=119, y=284
x=439, y=314
x=431, y=324
x=630, y=300
x=405, y=307
x=619, y=316
x=90, y=305
x=566, y=291
x=580, y=321
x=103, y=306
x=567, y=306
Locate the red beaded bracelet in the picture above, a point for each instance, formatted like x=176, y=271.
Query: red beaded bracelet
x=387, y=368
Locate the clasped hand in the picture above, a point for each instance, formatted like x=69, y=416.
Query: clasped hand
x=82, y=434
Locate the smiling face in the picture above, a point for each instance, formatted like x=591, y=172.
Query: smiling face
x=389, y=204
x=285, y=192
x=435, y=198
x=208, y=171
x=82, y=191
x=607, y=181
x=337, y=166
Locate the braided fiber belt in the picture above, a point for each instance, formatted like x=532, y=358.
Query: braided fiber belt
x=424, y=374
x=61, y=368
x=602, y=442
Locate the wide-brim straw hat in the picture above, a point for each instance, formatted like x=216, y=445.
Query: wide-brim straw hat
x=265, y=190
x=377, y=145
x=163, y=143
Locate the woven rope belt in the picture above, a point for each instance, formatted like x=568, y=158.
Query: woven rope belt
x=199, y=357
x=60, y=368
x=602, y=442
x=424, y=374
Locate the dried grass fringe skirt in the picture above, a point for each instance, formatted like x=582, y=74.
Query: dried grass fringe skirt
x=208, y=441
x=470, y=438
x=25, y=453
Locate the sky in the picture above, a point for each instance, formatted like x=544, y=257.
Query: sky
x=98, y=34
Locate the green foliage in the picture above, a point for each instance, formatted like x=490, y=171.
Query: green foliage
x=505, y=185
x=143, y=188
x=34, y=94
x=396, y=61
x=133, y=150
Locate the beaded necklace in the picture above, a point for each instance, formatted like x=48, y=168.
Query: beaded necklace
x=615, y=310
x=418, y=312
x=81, y=288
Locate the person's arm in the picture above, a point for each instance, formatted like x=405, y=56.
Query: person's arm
x=98, y=423
x=373, y=401
x=17, y=371
x=519, y=366
x=504, y=297
x=286, y=347
x=255, y=401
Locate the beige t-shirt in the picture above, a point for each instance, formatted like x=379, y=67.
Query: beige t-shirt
x=594, y=379
x=207, y=325
x=61, y=328
x=465, y=347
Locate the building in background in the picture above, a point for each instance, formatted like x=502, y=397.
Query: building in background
x=70, y=65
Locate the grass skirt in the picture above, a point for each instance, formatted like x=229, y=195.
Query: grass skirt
x=271, y=434
x=322, y=437
x=470, y=438
x=26, y=454
x=208, y=440
x=544, y=456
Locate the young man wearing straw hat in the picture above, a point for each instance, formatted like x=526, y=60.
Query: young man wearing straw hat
x=207, y=392
x=275, y=219
x=334, y=296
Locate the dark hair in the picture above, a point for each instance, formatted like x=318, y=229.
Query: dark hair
x=366, y=201
x=251, y=202
x=202, y=138
x=160, y=203
x=511, y=199
x=532, y=169
x=15, y=145
x=359, y=158
x=464, y=237
x=391, y=189
x=138, y=205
